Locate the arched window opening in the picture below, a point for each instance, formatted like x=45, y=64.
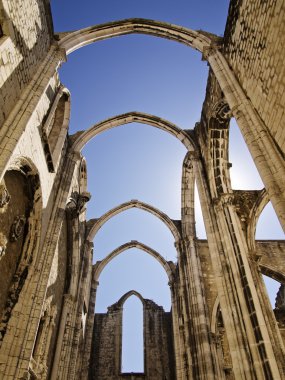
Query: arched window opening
x=243, y=173
x=200, y=226
x=276, y=294
x=54, y=128
x=132, y=336
x=272, y=287
x=268, y=226
x=270, y=243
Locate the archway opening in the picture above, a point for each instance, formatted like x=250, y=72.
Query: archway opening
x=243, y=173
x=268, y=226
x=272, y=287
x=132, y=336
x=269, y=230
x=199, y=220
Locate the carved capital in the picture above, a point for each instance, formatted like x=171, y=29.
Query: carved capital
x=61, y=55
x=182, y=245
x=225, y=199
x=187, y=164
x=244, y=202
x=221, y=111
x=3, y=244
x=77, y=202
x=17, y=228
x=194, y=155
x=207, y=52
x=4, y=195
x=254, y=257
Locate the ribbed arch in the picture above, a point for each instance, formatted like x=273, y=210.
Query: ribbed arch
x=133, y=244
x=71, y=41
x=82, y=138
x=255, y=213
x=127, y=295
x=98, y=223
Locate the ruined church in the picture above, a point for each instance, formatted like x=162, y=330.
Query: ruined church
x=221, y=325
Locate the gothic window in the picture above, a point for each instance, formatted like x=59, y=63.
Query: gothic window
x=132, y=336
x=54, y=128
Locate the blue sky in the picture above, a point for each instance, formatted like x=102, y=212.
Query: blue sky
x=156, y=76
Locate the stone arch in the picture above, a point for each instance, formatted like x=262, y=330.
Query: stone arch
x=81, y=138
x=255, y=213
x=214, y=315
x=167, y=265
x=272, y=272
x=127, y=295
x=20, y=213
x=98, y=223
x=71, y=41
x=55, y=126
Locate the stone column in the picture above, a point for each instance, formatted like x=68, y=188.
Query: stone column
x=203, y=357
x=59, y=363
x=89, y=328
x=176, y=333
x=250, y=347
x=268, y=159
x=184, y=318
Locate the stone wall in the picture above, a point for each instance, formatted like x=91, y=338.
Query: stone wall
x=27, y=35
x=158, y=345
x=254, y=47
x=57, y=286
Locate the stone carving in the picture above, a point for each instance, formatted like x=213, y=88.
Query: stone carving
x=4, y=196
x=221, y=111
x=244, y=202
x=13, y=295
x=17, y=228
x=225, y=199
x=77, y=202
x=3, y=243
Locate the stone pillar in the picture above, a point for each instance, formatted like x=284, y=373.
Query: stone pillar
x=265, y=153
x=178, y=348
x=59, y=363
x=203, y=357
x=184, y=319
x=250, y=347
x=89, y=328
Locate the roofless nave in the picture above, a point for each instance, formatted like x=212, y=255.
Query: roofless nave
x=221, y=324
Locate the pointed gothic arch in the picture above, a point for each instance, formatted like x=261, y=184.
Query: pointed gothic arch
x=98, y=223
x=127, y=295
x=167, y=265
x=82, y=138
x=198, y=40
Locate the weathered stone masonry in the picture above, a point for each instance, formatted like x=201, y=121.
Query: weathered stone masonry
x=221, y=324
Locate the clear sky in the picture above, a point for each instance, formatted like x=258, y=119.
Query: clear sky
x=156, y=76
